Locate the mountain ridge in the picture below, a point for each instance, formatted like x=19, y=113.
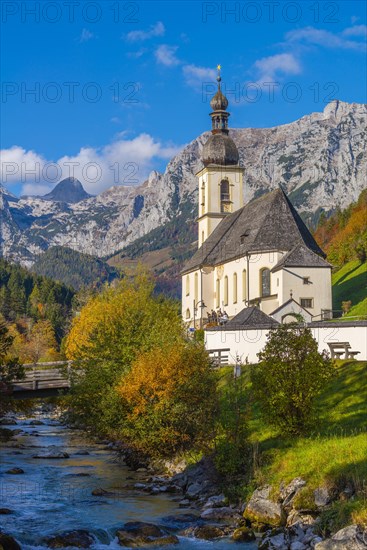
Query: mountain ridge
x=319, y=159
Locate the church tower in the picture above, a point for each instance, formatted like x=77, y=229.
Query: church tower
x=221, y=179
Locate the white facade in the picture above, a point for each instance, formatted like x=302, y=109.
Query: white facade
x=247, y=343
x=236, y=284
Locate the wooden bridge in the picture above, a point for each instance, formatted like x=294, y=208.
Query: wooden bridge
x=43, y=379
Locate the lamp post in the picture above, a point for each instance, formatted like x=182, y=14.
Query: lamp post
x=202, y=305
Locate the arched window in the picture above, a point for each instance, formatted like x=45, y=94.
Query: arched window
x=196, y=288
x=217, y=293
x=225, y=297
x=187, y=313
x=265, y=282
x=224, y=196
x=187, y=285
x=244, y=285
x=203, y=198
x=235, y=288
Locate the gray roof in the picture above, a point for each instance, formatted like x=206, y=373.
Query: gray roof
x=301, y=256
x=267, y=223
x=248, y=318
x=291, y=300
x=220, y=149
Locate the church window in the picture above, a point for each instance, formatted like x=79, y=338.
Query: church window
x=265, y=282
x=235, y=288
x=225, y=297
x=224, y=196
x=196, y=287
x=307, y=303
x=217, y=293
x=244, y=285
x=187, y=313
x=187, y=285
x=203, y=199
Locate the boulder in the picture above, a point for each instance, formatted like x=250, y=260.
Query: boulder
x=193, y=491
x=15, y=471
x=349, y=538
x=137, y=534
x=288, y=493
x=99, y=492
x=52, y=454
x=260, y=509
x=8, y=543
x=322, y=497
x=296, y=516
x=36, y=423
x=182, y=521
x=243, y=534
x=298, y=545
x=275, y=540
x=216, y=501
x=78, y=539
x=218, y=514
x=7, y=422
x=208, y=532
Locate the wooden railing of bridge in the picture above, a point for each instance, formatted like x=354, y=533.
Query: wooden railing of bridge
x=44, y=376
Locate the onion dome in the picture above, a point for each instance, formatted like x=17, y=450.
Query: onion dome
x=219, y=102
x=220, y=148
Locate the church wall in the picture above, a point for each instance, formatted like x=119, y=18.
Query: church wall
x=319, y=289
x=247, y=343
x=257, y=262
x=196, y=286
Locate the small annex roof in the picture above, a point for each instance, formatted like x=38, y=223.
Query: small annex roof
x=301, y=256
x=268, y=223
x=248, y=318
x=290, y=301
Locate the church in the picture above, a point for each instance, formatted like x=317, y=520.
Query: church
x=250, y=254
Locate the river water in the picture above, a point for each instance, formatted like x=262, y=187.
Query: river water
x=52, y=497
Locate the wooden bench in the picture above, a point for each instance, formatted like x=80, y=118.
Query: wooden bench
x=219, y=356
x=337, y=349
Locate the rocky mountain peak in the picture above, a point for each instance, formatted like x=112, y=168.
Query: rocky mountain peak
x=68, y=190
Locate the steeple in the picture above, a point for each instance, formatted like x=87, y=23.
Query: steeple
x=219, y=104
x=221, y=179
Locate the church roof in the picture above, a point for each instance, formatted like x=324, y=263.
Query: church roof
x=267, y=223
x=220, y=149
x=248, y=318
x=301, y=256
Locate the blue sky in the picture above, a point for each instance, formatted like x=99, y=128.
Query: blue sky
x=119, y=87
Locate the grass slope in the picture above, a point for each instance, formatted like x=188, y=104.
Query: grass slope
x=350, y=283
x=334, y=454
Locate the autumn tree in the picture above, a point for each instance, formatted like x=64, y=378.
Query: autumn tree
x=10, y=368
x=169, y=399
x=112, y=329
x=290, y=375
x=41, y=342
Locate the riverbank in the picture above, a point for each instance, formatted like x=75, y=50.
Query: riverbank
x=66, y=490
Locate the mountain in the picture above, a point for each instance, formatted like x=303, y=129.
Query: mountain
x=69, y=190
x=73, y=268
x=320, y=160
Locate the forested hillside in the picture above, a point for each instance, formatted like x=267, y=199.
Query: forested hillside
x=73, y=268
x=27, y=298
x=344, y=238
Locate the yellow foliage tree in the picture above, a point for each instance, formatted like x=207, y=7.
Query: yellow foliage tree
x=169, y=399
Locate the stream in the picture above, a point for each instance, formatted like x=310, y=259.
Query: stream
x=54, y=495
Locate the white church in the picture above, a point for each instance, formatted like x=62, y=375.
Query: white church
x=256, y=254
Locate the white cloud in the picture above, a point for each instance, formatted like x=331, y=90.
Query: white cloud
x=356, y=30
x=321, y=37
x=165, y=55
x=155, y=30
x=197, y=76
x=276, y=66
x=137, y=54
x=85, y=36
x=121, y=162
